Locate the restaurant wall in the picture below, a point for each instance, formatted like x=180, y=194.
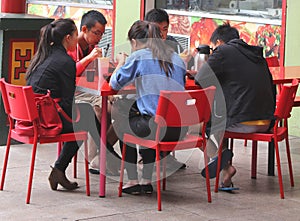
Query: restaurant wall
x=292, y=56
x=126, y=13
x=292, y=44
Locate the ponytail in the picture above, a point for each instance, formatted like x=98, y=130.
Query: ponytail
x=50, y=35
x=149, y=34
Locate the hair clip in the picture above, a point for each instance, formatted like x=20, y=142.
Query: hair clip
x=51, y=43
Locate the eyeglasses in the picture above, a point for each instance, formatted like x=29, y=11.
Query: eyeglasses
x=98, y=33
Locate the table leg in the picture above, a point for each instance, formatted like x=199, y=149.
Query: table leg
x=271, y=159
x=102, y=151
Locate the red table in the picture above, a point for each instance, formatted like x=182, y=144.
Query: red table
x=280, y=75
x=285, y=74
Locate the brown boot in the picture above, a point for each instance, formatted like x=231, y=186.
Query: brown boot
x=58, y=177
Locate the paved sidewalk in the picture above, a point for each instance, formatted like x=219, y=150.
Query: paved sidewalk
x=184, y=199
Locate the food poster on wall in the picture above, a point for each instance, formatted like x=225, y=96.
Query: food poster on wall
x=60, y=11
x=199, y=30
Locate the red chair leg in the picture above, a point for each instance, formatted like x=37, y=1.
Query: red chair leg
x=5, y=162
x=245, y=143
x=164, y=170
x=218, y=167
x=254, y=160
x=279, y=169
x=75, y=166
x=31, y=172
x=59, y=146
x=288, y=153
x=158, y=180
x=231, y=148
x=122, y=169
x=207, y=176
x=86, y=164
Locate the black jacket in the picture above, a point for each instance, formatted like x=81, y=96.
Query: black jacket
x=57, y=74
x=242, y=77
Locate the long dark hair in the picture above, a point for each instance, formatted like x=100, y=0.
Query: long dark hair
x=149, y=34
x=50, y=35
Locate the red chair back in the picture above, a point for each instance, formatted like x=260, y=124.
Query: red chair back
x=286, y=100
x=184, y=108
x=18, y=101
x=272, y=61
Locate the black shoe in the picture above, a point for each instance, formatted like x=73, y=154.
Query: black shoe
x=147, y=188
x=213, y=164
x=134, y=190
x=97, y=172
x=94, y=171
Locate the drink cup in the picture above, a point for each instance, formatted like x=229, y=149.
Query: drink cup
x=103, y=65
x=90, y=74
x=184, y=57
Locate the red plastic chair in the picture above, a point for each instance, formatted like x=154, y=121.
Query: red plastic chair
x=272, y=62
x=278, y=133
x=19, y=104
x=176, y=109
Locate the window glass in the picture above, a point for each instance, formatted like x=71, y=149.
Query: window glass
x=100, y=2
x=256, y=8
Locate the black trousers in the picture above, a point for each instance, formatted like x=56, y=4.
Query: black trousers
x=144, y=126
x=88, y=122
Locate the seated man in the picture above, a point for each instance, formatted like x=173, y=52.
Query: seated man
x=92, y=28
x=245, y=95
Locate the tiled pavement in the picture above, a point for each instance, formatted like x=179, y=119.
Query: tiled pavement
x=184, y=199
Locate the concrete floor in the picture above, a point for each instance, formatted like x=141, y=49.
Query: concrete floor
x=184, y=199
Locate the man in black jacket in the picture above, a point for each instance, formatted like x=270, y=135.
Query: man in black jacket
x=245, y=95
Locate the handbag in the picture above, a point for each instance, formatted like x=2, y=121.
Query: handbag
x=49, y=124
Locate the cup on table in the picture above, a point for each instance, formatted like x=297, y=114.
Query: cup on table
x=90, y=75
x=103, y=66
x=184, y=57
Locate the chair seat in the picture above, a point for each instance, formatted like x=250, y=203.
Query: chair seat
x=189, y=141
x=81, y=135
x=268, y=137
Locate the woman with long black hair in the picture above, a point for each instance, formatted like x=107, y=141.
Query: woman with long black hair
x=53, y=69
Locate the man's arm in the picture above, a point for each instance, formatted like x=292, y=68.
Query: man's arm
x=83, y=63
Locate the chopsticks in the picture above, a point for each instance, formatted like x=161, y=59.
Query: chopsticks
x=106, y=50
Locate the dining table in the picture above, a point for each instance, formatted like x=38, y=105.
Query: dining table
x=99, y=85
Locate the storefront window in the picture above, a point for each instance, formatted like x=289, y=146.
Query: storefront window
x=98, y=2
x=254, y=8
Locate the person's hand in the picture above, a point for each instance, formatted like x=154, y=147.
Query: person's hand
x=111, y=99
x=186, y=55
x=95, y=53
x=121, y=58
